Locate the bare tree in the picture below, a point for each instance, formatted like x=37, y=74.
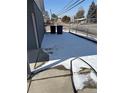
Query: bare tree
x=66, y=19
x=80, y=13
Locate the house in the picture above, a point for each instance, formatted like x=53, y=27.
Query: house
x=35, y=25
x=35, y=31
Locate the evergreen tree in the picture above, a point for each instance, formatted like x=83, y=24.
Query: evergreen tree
x=54, y=17
x=92, y=13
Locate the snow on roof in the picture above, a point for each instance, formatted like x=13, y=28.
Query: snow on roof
x=81, y=19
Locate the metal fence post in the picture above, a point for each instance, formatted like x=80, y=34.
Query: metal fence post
x=87, y=32
x=69, y=26
x=77, y=28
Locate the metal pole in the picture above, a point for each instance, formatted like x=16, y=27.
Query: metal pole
x=69, y=26
x=77, y=27
x=28, y=69
x=87, y=32
x=51, y=13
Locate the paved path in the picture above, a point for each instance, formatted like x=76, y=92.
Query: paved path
x=61, y=49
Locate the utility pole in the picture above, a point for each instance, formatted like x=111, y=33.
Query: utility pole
x=51, y=13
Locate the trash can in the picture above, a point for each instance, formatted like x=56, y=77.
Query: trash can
x=59, y=29
x=53, y=29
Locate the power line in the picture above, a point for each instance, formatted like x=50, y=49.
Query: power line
x=71, y=8
x=65, y=6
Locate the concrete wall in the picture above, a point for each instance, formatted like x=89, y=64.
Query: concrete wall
x=39, y=22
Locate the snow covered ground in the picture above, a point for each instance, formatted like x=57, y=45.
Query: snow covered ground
x=83, y=75
x=63, y=48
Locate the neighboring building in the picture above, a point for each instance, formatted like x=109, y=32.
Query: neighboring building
x=59, y=21
x=81, y=20
x=72, y=19
x=46, y=17
x=92, y=13
x=35, y=25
